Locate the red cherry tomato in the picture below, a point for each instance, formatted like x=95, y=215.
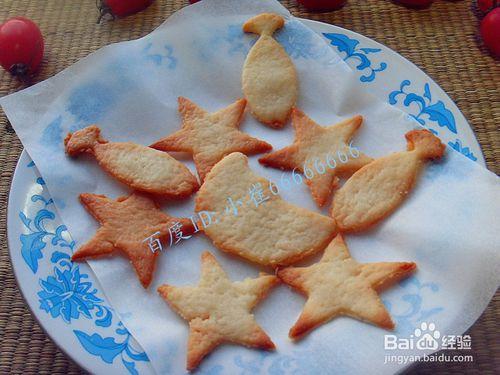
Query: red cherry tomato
x=490, y=31
x=122, y=8
x=417, y=4
x=486, y=5
x=322, y=5
x=21, y=46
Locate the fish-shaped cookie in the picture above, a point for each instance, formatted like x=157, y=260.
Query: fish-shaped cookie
x=251, y=220
x=269, y=78
x=140, y=167
x=377, y=189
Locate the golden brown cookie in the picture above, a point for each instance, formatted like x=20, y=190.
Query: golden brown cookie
x=338, y=285
x=219, y=310
x=377, y=189
x=137, y=166
x=323, y=151
x=210, y=136
x=126, y=224
x=269, y=78
x=251, y=220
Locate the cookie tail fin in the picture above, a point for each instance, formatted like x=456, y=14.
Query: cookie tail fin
x=264, y=24
x=83, y=140
x=425, y=143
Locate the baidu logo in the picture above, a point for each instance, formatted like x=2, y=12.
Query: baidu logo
x=427, y=337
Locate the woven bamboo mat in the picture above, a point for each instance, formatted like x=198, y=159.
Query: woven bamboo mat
x=441, y=40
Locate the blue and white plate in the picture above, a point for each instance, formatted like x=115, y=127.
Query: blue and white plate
x=66, y=297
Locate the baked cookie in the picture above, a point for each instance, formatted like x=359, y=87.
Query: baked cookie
x=269, y=78
x=210, y=136
x=324, y=151
x=126, y=225
x=377, y=189
x=137, y=166
x=219, y=310
x=338, y=285
x=252, y=221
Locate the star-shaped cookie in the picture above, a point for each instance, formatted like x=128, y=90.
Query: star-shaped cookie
x=323, y=151
x=210, y=136
x=126, y=225
x=338, y=285
x=219, y=310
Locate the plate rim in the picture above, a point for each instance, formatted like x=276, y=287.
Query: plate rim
x=390, y=51
x=52, y=335
x=58, y=336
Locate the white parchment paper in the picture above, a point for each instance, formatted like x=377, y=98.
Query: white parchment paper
x=448, y=225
